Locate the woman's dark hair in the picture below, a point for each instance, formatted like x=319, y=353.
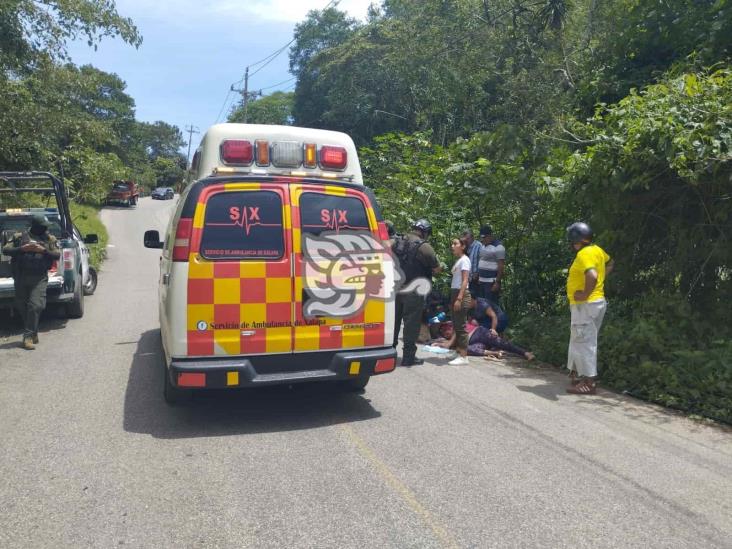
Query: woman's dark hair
x=464, y=243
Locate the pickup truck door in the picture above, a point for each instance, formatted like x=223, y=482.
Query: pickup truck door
x=84, y=256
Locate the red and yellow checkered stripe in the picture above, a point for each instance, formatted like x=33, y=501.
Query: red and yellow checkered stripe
x=232, y=297
x=328, y=336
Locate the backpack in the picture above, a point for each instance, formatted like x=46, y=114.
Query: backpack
x=405, y=251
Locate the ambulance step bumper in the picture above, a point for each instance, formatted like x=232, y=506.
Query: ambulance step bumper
x=255, y=371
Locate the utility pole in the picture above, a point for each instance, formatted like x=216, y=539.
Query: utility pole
x=191, y=130
x=246, y=95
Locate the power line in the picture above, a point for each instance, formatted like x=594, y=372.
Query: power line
x=278, y=83
x=226, y=99
x=246, y=95
x=266, y=60
x=272, y=56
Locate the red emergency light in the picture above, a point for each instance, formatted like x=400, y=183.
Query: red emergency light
x=239, y=152
x=333, y=158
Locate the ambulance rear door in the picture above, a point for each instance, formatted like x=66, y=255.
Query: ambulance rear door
x=331, y=209
x=240, y=290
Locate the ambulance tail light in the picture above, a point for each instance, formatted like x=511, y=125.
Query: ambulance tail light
x=311, y=156
x=68, y=259
x=383, y=231
x=235, y=151
x=54, y=267
x=333, y=158
x=182, y=244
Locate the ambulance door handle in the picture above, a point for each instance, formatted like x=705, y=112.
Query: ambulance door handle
x=166, y=278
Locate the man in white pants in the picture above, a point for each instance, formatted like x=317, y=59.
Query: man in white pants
x=586, y=294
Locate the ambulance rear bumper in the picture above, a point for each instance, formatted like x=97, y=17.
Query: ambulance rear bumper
x=255, y=371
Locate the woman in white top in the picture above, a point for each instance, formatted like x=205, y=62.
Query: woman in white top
x=460, y=298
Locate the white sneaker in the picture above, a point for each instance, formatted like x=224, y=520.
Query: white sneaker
x=459, y=361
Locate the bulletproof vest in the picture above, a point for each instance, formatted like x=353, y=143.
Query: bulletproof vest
x=29, y=264
x=406, y=250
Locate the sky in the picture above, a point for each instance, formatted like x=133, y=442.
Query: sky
x=193, y=51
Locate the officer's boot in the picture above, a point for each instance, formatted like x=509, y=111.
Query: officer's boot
x=412, y=361
x=28, y=343
x=35, y=337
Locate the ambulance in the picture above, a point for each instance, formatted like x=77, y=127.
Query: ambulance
x=232, y=293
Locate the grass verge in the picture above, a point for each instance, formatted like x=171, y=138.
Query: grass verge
x=86, y=218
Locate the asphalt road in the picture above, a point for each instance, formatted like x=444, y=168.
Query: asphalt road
x=487, y=455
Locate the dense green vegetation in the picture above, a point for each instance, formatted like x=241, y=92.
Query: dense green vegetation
x=86, y=219
x=275, y=108
x=55, y=116
x=531, y=115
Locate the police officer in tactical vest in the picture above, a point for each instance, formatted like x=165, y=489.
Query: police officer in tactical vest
x=421, y=262
x=32, y=252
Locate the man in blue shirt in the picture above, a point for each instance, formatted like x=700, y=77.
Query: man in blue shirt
x=473, y=253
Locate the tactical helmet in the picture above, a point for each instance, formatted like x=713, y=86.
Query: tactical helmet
x=39, y=220
x=578, y=232
x=423, y=225
x=38, y=225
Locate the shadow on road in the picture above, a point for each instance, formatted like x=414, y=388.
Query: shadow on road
x=116, y=207
x=11, y=326
x=235, y=412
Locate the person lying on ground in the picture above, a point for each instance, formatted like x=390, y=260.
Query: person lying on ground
x=486, y=342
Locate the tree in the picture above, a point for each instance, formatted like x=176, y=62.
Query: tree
x=32, y=29
x=160, y=139
x=275, y=108
x=320, y=30
x=654, y=173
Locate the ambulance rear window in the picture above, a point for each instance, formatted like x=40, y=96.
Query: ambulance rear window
x=243, y=225
x=322, y=212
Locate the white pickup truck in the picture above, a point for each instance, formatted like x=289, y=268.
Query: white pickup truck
x=70, y=278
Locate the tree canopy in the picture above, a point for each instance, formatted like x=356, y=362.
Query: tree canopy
x=275, y=108
x=530, y=115
x=57, y=116
x=36, y=29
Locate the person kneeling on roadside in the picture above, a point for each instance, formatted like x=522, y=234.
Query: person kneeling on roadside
x=488, y=314
x=485, y=342
x=32, y=252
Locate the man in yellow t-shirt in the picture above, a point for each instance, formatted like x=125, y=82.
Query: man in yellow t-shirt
x=586, y=294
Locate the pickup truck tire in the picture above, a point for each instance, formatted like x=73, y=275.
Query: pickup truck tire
x=91, y=285
x=133, y=201
x=75, y=309
x=355, y=385
x=174, y=396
